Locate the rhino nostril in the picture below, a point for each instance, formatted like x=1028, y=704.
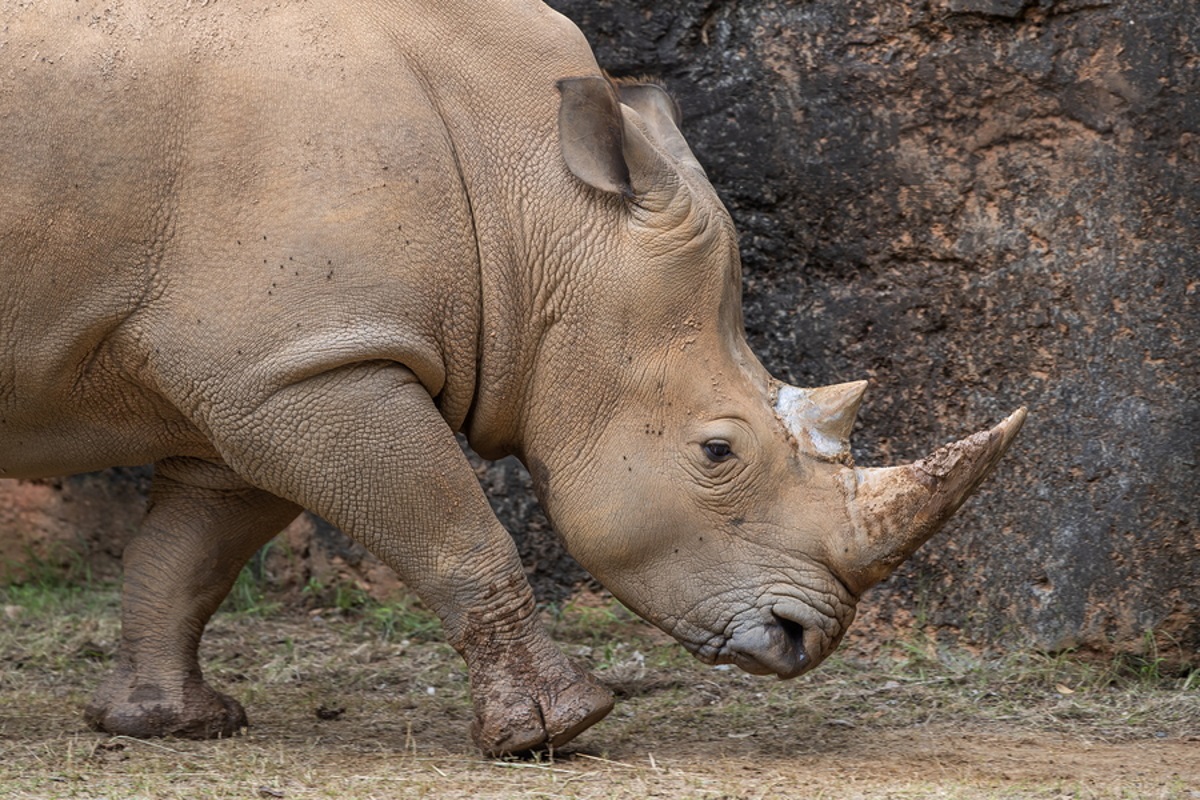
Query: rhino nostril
x=794, y=632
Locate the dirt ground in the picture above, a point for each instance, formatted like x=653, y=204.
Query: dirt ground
x=354, y=699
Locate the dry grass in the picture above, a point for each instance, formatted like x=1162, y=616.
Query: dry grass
x=363, y=702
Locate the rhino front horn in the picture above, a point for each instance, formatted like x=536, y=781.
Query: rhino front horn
x=896, y=509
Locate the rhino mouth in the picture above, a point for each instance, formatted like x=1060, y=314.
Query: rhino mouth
x=782, y=634
x=780, y=645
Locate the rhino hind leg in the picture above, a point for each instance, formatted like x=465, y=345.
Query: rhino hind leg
x=203, y=525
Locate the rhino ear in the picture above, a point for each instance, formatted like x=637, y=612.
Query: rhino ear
x=662, y=116
x=653, y=102
x=591, y=131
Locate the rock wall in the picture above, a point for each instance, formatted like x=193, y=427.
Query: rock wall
x=69, y=528
x=976, y=204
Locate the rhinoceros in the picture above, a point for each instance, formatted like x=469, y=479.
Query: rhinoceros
x=285, y=251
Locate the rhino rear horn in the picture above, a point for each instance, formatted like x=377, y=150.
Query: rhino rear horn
x=896, y=509
x=820, y=420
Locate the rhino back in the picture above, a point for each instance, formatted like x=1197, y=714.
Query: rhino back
x=202, y=206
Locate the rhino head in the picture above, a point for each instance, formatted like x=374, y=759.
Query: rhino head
x=718, y=503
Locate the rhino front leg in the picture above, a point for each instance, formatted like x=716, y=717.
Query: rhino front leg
x=203, y=525
x=365, y=447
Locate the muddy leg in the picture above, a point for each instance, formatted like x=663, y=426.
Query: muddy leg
x=371, y=454
x=203, y=525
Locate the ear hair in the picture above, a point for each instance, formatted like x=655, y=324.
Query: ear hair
x=591, y=133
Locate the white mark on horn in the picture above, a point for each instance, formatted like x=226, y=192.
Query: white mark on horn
x=796, y=408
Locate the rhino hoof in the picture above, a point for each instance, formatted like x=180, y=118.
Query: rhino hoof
x=518, y=724
x=143, y=712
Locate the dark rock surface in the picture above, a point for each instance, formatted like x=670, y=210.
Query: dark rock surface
x=975, y=204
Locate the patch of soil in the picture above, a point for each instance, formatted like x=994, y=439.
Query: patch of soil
x=343, y=707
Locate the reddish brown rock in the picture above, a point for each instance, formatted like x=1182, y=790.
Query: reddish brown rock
x=69, y=527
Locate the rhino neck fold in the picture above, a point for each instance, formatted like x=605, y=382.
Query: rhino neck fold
x=500, y=121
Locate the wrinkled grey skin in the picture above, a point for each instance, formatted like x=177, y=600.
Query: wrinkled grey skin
x=285, y=253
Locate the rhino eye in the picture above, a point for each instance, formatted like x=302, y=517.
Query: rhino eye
x=717, y=450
